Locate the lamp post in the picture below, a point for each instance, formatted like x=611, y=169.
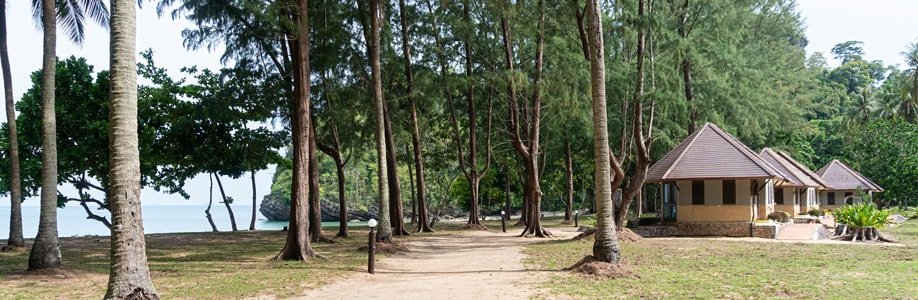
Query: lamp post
x=503, y=221
x=576, y=216
x=371, y=262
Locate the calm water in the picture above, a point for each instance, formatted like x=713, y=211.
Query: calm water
x=156, y=219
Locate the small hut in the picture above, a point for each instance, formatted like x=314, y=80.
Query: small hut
x=712, y=184
x=845, y=183
x=797, y=195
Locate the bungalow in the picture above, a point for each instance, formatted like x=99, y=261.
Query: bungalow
x=797, y=195
x=845, y=184
x=712, y=184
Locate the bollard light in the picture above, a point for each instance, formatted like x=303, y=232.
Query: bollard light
x=503, y=221
x=371, y=256
x=576, y=216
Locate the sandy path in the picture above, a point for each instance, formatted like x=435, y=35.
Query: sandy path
x=466, y=265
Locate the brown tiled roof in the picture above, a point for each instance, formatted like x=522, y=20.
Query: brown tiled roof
x=793, y=171
x=841, y=177
x=711, y=153
x=813, y=176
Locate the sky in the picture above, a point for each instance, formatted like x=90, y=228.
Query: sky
x=885, y=27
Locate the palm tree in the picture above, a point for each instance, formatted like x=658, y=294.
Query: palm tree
x=605, y=247
x=15, y=239
x=71, y=15
x=385, y=231
x=910, y=88
x=129, y=276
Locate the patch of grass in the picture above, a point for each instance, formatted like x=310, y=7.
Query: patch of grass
x=698, y=268
x=187, y=266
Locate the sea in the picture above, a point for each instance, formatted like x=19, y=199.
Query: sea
x=72, y=221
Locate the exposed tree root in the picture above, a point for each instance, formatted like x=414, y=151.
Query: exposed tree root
x=536, y=232
x=861, y=234
x=592, y=268
x=324, y=239
x=567, y=222
x=388, y=248
x=475, y=227
x=625, y=235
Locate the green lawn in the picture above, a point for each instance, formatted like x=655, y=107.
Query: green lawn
x=693, y=268
x=187, y=265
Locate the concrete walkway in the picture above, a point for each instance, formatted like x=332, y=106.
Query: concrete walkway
x=807, y=232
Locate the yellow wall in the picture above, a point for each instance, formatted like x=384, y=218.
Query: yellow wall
x=713, y=213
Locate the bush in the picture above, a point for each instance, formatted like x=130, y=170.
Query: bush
x=865, y=215
x=816, y=213
x=779, y=216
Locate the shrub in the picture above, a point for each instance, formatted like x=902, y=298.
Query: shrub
x=865, y=215
x=816, y=213
x=779, y=216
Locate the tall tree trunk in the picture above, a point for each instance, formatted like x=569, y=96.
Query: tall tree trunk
x=642, y=163
x=254, y=200
x=226, y=202
x=342, y=201
x=396, y=211
x=129, y=276
x=15, y=238
x=686, y=65
x=297, y=245
x=569, y=207
x=414, y=204
x=315, y=198
x=528, y=150
x=46, y=252
x=210, y=202
x=605, y=247
x=384, y=231
x=507, y=199
x=417, y=198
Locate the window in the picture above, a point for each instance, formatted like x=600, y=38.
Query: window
x=779, y=196
x=831, y=198
x=697, y=192
x=729, y=191
x=848, y=198
x=797, y=195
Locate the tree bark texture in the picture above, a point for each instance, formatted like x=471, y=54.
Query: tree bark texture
x=605, y=246
x=396, y=209
x=129, y=276
x=297, y=245
x=46, y=252
x=686, y=66
x=15, y=238
x=315, y=202
x=384, y=233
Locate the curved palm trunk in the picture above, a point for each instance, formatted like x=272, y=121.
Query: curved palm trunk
x=605, y=247
x=46, y=252
x=129, y=277
x=15, y=238
x=297, y=245
x=385, y=231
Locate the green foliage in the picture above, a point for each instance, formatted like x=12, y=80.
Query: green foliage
x=887, y=152
x=864, y=215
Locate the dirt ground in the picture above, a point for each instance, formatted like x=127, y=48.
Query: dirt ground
x=466, y=265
